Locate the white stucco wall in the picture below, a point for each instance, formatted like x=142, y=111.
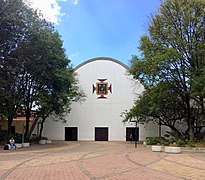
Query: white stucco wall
x=96, y=112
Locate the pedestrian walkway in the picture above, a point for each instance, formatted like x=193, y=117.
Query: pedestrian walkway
x=100, y=161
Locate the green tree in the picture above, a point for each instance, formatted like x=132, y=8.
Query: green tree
x=57, y=103
x=158, y=104
x=13, y=32
x=34, y=67
x=43, y=57
x=48, y=78
x=173, y=54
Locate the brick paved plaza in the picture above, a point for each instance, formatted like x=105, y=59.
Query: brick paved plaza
x=98, y=160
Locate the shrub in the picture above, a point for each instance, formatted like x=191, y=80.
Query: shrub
x=2, y=136
x=44, y=138
x=165, y=142
x=18, y=138
x=181, y=143
x=191, y=143
x=171, y=136
x=34, y=139
x=152, y=140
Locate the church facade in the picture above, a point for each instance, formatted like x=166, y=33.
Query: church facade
x=109, y=92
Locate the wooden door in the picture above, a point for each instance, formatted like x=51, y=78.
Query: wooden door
x=134, y=131
x=101, y=134
x=71, y=133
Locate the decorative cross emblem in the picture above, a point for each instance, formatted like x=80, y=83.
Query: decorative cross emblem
x=102, y=88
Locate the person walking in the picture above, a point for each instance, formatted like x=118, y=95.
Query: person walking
x=131, y=138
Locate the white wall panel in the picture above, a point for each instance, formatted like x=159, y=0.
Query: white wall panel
x=96, y=112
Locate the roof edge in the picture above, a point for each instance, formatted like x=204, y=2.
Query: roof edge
x=101, y=58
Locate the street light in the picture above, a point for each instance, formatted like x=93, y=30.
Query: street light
x=135, y=121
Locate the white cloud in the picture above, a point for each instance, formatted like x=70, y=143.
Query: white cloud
x=74, y=55
x=75, y=2
x=49, y=8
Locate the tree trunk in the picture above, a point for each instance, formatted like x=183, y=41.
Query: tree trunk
x=202, y=105
x=42, y=123
x=191, y=132
x=8, y=133
x=190, y=125
x=32, y=127
x=190, y=122
x=41, y=129
x=27, y=123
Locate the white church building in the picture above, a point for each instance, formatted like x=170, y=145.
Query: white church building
x=109, y=91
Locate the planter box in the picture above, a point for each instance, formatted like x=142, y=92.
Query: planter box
x=18, y=145
x=42, y=141
x=25, y=145
x=173, y=150
x=48, y=141
x=156, y=148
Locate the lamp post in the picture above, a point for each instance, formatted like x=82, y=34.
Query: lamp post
x=135, y=132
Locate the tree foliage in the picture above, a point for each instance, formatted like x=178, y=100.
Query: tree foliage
x=13, y=33
x=34, y=68
x=173, y=55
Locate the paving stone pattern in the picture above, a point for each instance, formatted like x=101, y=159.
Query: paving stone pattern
x=98, y=161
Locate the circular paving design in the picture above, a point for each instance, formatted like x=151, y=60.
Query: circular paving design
x=98, y=160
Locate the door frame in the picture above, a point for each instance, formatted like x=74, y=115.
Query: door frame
x=104, y=130
x=132, y=130
x=71, y=133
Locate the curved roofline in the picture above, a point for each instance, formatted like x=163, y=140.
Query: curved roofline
x=101, y=58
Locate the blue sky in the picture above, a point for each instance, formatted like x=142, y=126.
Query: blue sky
x=101, y=28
